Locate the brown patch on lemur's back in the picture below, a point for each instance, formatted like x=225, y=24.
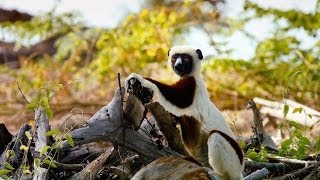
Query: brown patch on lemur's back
x=180, y=94
x=232, y=142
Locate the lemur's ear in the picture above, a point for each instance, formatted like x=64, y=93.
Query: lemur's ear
x=169, y=52
x=198, y=51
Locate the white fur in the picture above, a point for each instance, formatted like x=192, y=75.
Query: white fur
x=223, y=158
x=201, y=109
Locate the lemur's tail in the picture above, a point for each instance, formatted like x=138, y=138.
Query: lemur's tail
x=225, y=155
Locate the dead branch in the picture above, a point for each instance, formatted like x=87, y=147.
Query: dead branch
x=275, y=109
x=106, y=125
x=19, y=139
x=259, y=174
x=92, y=169
x=167, y=125
x=260, y=136
x=40, y=140
x=274, y=168
x=301, y=173
x=84, y=152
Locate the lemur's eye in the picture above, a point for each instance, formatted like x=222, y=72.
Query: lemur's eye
x=173, y=60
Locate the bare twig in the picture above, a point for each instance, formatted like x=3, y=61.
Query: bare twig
x=54, y=94
x=22, y=93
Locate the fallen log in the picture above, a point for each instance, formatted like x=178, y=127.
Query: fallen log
x=307, y=117
x=107, y=125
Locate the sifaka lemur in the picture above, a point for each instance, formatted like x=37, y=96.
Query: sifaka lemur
x=203, y=128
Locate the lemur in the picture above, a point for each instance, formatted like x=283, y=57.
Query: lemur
x=204, y=130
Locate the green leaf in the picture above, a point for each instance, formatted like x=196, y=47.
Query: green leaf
x=44, y=150
x=24, y=148
x=286, y=143
x=4, y=171
x=10, y=154
x=304, y=141
x=285, y=110
x=44, y=101
x=310, y=116
x=295, y=124
x=69, y=139
x=31, y=106
x=8, y=166
x=27, y=133
x=27, y=171
x=50, y=163
x=299, y=109
x=53, y=132
x=56, y=145
x=36, y=162
x=48, y=112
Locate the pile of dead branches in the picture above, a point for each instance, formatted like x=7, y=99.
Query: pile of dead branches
x=123, y=140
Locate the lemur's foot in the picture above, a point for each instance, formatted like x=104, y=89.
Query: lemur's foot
x=134, y=86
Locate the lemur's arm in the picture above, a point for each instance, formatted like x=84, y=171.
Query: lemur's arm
x=180, y=94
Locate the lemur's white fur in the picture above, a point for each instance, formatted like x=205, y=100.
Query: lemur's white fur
x=224, y=159
x=222, y=156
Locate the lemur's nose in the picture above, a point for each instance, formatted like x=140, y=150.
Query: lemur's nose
x=178, y=64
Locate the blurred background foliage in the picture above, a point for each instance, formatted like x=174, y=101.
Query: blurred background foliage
x=81, y=69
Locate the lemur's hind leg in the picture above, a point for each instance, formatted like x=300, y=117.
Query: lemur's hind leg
x=142, y=93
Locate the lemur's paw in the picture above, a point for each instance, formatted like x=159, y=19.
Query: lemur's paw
x=134, y=86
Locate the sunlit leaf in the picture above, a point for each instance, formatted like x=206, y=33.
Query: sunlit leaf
x=69, y=139
x=53, y=132
x=50, y=163
x=8, y=166
x=31, y=106
x=44, y=150
x=299, y=109
x=48, y=112
x=27, y=133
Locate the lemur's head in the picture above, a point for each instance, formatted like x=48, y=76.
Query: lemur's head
x=185, y=60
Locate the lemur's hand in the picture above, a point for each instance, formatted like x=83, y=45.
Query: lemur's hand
x=134, y=85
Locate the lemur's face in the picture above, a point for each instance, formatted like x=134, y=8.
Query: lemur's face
x=183, y=60
x=182, y=64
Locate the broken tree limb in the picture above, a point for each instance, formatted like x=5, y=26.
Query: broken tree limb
x=134, y=111
x=40, y=140
x=167, y=125
x=259, y=174
x=93, y=168
x=79, y=153
x=127, y=168
x=307, y=117
x=274, y=168
x=107, y=125
x=260, y=135
x=293, y=161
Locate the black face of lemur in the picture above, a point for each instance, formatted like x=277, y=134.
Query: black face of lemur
x=182, y=64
